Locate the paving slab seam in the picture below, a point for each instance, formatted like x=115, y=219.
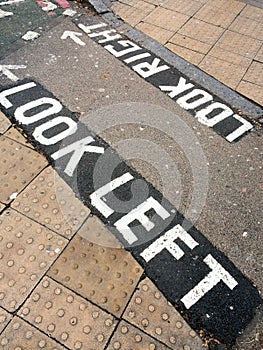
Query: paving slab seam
x=247, y=106
x=42, y=332
x=80, y=295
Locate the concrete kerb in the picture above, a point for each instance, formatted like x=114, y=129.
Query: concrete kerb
x=240, y=103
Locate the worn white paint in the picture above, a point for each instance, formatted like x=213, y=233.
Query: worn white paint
x=175, y=90
x=10, y=2
x=74, y=36
x=39, y=136
x=3, y=95
x=77, y=149
x=56, y=107
x=49, y=6
x=30, y=35
x=69, y=12
x=5, y=13
x=217, y=275
x=96, y=196
x=138, y=213
x=146, y=69
x=128, y=45
x=6, y=70
x=167, y=242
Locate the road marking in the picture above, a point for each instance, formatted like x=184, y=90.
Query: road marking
x=10, y=2
x=208, y=290
x=6, y=70
x=74, y=36
x=5, y=14
x=209, y=110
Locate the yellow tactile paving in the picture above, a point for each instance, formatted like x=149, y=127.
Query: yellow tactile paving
x=189, y=7
x=189, y=43
x=106, y=276
x=51, y=202
x=4, y=123
x=191, y=56
x=202, y=31
x=131, y=15
x=157, y=33
x=5, y=317
x=248, y=27
x=254, y=74
x=27, y=250
x=207, y=33
x=128, y=337
x=15, y=135
x=19, y=335
x=19, y=165
x=150, y=311
x=230, y=74
x=1, y=206
x=166, y=19
x=67, y=317
x=216, y=16
x=251, y=90
x=253, y=13
x=239, y=44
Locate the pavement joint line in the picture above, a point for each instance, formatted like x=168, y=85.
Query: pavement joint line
x=139, y=250
x=247, y=106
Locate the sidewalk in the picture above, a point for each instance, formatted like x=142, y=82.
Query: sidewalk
x=62, y=291
x=222, y=37
x=72, y=291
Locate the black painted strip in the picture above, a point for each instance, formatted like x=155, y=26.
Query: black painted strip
x=224, y=311
x=231, y=97
x=166, y=78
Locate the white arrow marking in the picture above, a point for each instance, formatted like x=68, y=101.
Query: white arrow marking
x=5, y=69
x=9, y=2
x=73, y=36
x=5, y=13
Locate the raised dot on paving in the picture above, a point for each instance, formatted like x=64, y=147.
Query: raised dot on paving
x=150, y=311
x=4, y=123
x=15, y=135
x=5, y=317
x=18, y=166
x=106, y=276
x=128, y=337
x=19, y=335
x=27, y=250
x=67, y=317
x=51, y=202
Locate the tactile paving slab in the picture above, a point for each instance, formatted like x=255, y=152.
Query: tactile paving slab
x=15, y=135
x=150, y=311
x=27, y=250
x=19, y=335
x=106, y=276
x=5, y=317
x=67, y=317
x=18, y=166
x=1, y=206
x=51, y=202
x=128, y=337
x=4, y=123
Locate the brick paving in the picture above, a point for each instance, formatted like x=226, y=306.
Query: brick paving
x=224, y=38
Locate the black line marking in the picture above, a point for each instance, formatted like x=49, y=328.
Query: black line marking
x=230, y=123
x=222, y=312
